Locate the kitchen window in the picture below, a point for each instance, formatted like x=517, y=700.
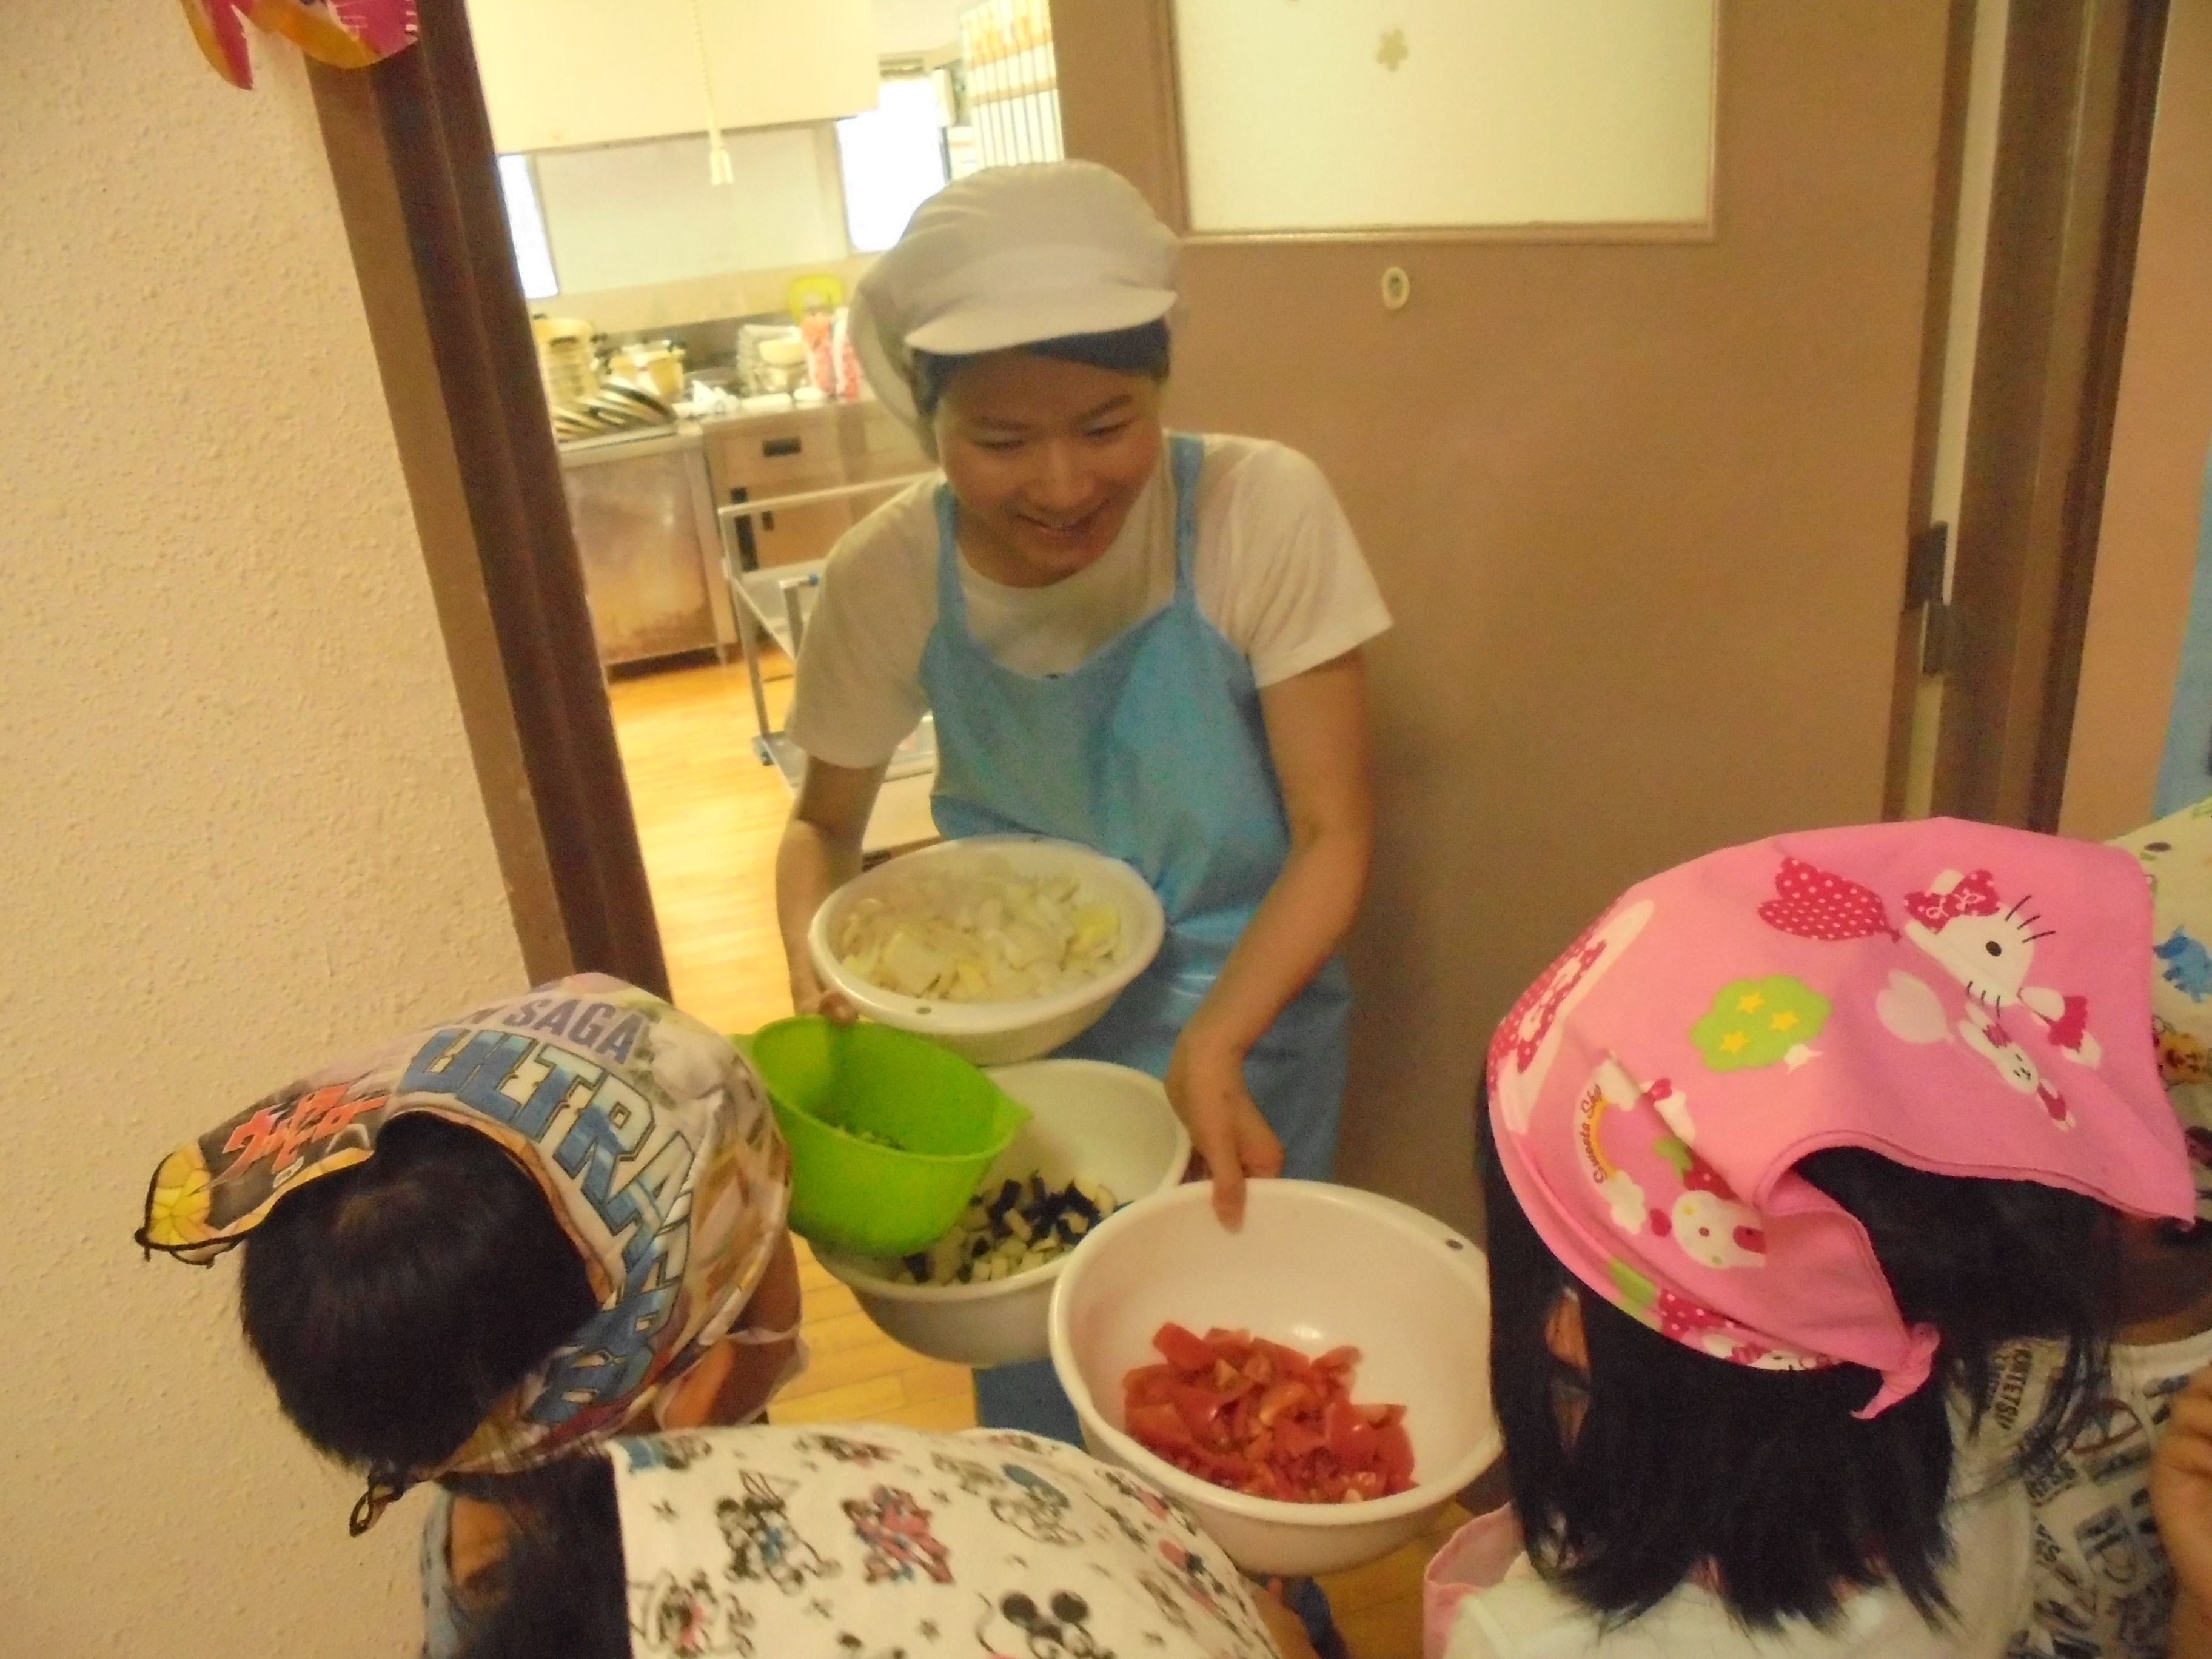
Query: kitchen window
x=526, y=228
x=892, y=159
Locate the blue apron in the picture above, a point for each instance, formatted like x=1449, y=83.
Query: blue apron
x=1153, y=751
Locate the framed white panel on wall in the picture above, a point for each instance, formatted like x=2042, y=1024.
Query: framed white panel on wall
x=628, y=215
x=1344, y=116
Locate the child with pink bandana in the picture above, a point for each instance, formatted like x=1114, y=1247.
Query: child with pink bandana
x=1782, y=1157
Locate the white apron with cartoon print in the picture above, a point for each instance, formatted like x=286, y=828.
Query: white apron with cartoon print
x=889, y=1543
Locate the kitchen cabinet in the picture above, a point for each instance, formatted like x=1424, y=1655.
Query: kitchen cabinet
x=645, y=531
x=760, y=460
x=767, y=458
x=559, y=73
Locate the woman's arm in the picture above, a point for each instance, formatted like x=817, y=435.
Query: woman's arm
x=820, y=853
x=1316, y=726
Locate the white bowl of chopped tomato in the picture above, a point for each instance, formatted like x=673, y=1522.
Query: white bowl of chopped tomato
x=1316, y=1384
x=1104, y=1128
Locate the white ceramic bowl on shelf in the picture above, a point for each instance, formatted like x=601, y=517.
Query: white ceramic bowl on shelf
x=1087, y=1119
x=1000, y=1033
x=1316, y=1267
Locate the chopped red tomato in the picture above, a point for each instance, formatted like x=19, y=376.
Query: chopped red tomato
x=1159, y=1426
x=1394, y=1455
x=1260, y=1418
x=1183, y=1351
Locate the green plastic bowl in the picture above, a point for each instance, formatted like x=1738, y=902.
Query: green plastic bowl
x=949, y=1121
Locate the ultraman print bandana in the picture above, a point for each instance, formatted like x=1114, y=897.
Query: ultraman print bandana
x=646, y=1131
x=871, y=1541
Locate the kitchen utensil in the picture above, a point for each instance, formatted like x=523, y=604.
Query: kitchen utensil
x=657, y=367
x=640, y=400
x=940, y=1124
x=566, y=360
x=1314, y=1266
x=1000, y=1033
x=1088, y=1119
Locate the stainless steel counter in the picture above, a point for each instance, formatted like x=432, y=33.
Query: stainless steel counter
x=642, y=504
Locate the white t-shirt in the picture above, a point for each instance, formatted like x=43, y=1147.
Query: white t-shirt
x=1277, y=571
x=1523, y=1617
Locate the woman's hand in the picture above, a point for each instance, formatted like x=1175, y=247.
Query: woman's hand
x=810, y=996
x=820, y=853
x=1206, y=1085
x=2181, y=1502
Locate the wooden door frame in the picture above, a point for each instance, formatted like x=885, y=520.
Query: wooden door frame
x=2073, y=158
x=412, y=156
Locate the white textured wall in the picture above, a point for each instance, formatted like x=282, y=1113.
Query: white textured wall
x=241, y=826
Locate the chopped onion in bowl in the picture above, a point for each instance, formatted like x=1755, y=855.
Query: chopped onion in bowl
x=984, y=933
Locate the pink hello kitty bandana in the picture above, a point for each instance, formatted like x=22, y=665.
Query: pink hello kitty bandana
x=1959, y=998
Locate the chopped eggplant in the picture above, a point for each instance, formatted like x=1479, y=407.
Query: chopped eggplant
x=1022, y=1225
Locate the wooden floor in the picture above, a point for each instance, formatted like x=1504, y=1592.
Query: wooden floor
x=708, y=814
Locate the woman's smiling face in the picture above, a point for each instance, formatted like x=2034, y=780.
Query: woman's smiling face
x=1045, y=458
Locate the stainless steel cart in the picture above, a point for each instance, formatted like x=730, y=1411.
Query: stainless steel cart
x=776, y=602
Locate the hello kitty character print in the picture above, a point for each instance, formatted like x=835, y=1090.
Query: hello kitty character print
x=1985, y=946
x=1521, y=1052
x=1619, y=1125
x=1715, y=1228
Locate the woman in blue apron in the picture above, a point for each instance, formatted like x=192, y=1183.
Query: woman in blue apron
x=1147, y=643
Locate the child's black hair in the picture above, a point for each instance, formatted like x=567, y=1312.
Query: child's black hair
x=557, y=1592
x=394, y=1302
x=1683, y=1463
x=1144, y=350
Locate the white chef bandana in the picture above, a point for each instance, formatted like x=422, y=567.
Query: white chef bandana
x=1009, y=257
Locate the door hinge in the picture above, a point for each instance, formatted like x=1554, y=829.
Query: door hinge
x=1926, y=560
x=1935, y=638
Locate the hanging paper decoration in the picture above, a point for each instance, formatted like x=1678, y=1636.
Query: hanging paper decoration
x=343, y=34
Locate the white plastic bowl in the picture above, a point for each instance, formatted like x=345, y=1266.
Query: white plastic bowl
x=1000, y=1033
x=1313, y=1266
x=1086, y=1118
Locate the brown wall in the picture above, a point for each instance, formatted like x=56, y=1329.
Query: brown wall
x=1640, y=510
x=2147, y=546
